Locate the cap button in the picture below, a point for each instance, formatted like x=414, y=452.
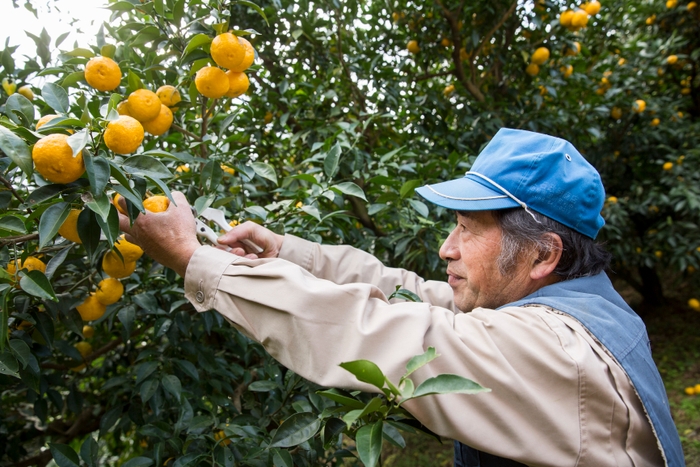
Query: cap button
x=568, y=157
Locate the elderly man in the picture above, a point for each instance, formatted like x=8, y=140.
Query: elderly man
x=526, y=311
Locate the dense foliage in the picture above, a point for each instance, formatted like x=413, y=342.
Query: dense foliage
x=339, y=126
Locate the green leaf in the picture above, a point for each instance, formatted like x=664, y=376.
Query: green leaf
x=263, y=386
x=371, y=407
x=89, y=452
x=419, y=206
x=369, y=443
x=188, y=368
x=171, y=383
x=100, y=205
x=56, y=97
x=17, y=150
x=64, y=455
x=419, y=360
x=108, y=50
x=341, y=397
x=265, y=171
x=13, y=225
x=196, y=42
x=409, y=187
x=448, y=384
x=21, y=351
x=146, y=166
x=393, y=435
x=8, y=364
x=312, y=211
x=405, y=294
x=350, y=188
x=138, y=462
x=148, y=389
x=78, y=141
x=332, y=161
x=366, y=371
x=80, y=52
x=35, y=283
x=19, y=109
x=281, y=458
x=295, y=430
x=254, y=7
x=51, y=220
x=98, y=172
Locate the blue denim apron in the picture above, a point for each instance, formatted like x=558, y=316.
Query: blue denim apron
x=599, y=308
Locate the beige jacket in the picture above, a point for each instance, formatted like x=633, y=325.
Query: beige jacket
x=557, y=397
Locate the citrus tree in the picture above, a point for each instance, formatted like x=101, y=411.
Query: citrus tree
x=317, y=119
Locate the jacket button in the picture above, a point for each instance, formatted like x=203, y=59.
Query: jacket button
x=199, y=296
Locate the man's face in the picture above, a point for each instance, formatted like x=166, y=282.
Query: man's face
x=471, y=251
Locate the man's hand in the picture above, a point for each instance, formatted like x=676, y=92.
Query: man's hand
x=168, y=237
x=270, y=242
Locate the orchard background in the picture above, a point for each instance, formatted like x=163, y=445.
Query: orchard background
x=351, y=106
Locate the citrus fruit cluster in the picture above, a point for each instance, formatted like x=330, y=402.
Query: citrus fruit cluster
x=693, y=390
x=234, y=53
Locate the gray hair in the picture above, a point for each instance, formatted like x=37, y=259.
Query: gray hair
x=521, y=230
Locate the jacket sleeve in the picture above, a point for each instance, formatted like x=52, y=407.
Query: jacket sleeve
x=311, y=325
x=344, y=264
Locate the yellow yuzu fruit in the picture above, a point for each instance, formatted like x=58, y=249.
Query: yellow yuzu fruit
x=579, y=19
x=616, y=113
x=575, y=50
x=565, y=18
x=445, y=42
x=689, y=390
x=227, y=50
x=168, y=95
x=113, y=266
x=157, y=203
x=91, y=309
x=45, y=119
x=103, y=73
x=109, y=291
x=612, y=199
x=639, y=106
x=69, y=228
x=449, y=89
x=161, y=123
x=268, y=117
x=655, y=122
x=144, y=105
x=671, y=3
x=237, y=83
x=129, y=251
x=540, y=56
x=115, y=202
x=672, y=59
x=592, y=7
x=27, y=92
x=532, y=69
x=694, y=303
x=182, y=169
x=9, y=86
x=53, y=159
x=667, y=165
x=211, y=82
x=567, y=70
x=691, y=6
x=30, y=264
x=228, y=170
x=248, y=58
x=123, y=108
x=84, y=348
x=88, y=331
x=413, y=46
x=124, y=135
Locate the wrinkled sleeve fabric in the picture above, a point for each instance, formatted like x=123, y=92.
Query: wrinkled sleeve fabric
x=311, y=325
x=344, y=264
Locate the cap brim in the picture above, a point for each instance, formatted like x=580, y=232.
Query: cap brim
x=466, y=194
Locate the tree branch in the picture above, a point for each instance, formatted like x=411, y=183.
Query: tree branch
x=11, y=188
x=18, y=239
x=487, y=38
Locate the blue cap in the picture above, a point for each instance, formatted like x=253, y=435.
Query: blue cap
x=530, y=170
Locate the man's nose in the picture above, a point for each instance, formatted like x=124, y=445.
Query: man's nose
x=449, y=250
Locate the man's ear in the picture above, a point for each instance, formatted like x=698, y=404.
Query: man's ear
x=548, y=259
